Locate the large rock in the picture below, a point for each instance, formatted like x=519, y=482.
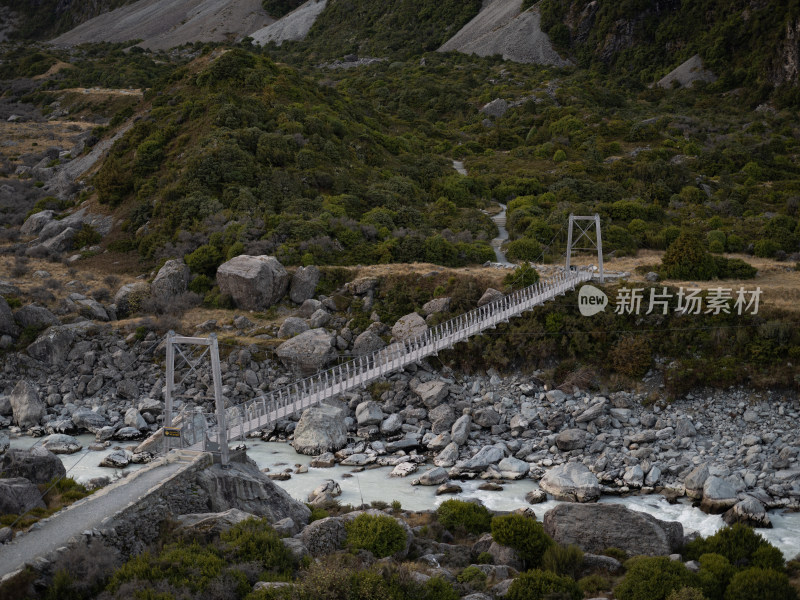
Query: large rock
x=367, y=342
x=59, y=443
x=321, y=429
x=437, y=305
x=719, y=494
x=325, y=492
x=7, y=325
x=26, y=406
x=369, y=413
x=486, y=417
x=748, y=511
x=89, y=420
x=489, y=296
x=304, y=284
x=52, y=346
x=38, y=465
x=61, y=242
x=35, y=316
x=18, y=495
x=513, y=468
x=34, y=224
x=432, y=393
x=324, y=536
x=435, y=476
x=459, y=433
x=571, y=482
x=408, y=327
x=595, y=527
x=488, y=455
x=172, y=280
x=308, y=352
x=571, y=439
x=210, y=525
x=244, y=487
x=695, y=480
x=253, y=282
x=291, y=327
x=129, y=298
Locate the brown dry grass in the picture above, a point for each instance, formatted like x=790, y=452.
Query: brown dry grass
x=57, y=67
x=36, y=137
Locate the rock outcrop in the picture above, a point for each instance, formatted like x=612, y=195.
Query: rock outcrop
x=595, y=527
x=27, y=408
x=253, y=282
x=37, y=465
x=304, y=284
x=321, y=429
x=18, y=495
x=308, y=352
x=172, y=280
x=571, y=482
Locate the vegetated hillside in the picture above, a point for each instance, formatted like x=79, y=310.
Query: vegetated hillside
x=248, y=156
x=752, y=44
x=278, y=8
x=396, y=28
x=42, y=19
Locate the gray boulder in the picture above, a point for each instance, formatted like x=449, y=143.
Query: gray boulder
x=253, y=282
x=432, y=393
x=408, y=327
x=571, y=482
x=19, y=495
x=34, y=224
x=324, y=536
x=7, y=325
x=52, y=346
x=26, y=406
x=321, y=429
x=435, y=476
x=91, y=308
x=133, y=418
x=488, y=455
x=38, y=465
x=748, y=511
x=308, y=352
x=89, y=420
x=304, y=284
x=595, y=527
x=392, y=424
x=129, y=298
x=291, y=327
x=61, y=242
x=367, y=342
x=513, y=468
x=571, y=439
x=244, y=487
x=172, y=280
x=325, y=491
x=36, y=316
x=719, y=494
x=496, y=108
x=369, y=413
x=437, y=305
x=448, y=456
x=486, y=417
x=695, y=480
x=459, y=433
x=489, y=296
x=119, y=459
x=59, y=443
x=210, y=525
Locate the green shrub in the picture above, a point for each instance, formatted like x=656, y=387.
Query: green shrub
x=632, y=356
x=654, y=578
x=766, y=248
x=523, y=534
x=436, y=588
x=468, y=516
x=687, y=593
x=524, y=249
x=594, y=583
x=687, y=258
x=716, y=241
x=542, y=585
x=617, y=553
x=521, y=277
x=734, y=268
x=715, y=573
x=563, y=560
x=766, y=584
x=204, y=260
x=201, y=284
x=474, y=577
x=317, y=513
x=738, y=543
x=86, y=236
x=382, y=535
x=484, y=558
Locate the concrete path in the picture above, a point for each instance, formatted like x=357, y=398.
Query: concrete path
x=87, y=514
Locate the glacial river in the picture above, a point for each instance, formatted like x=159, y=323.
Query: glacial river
x=375, y=484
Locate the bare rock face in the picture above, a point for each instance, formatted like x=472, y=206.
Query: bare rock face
x=324, y=536
x=245, y=488
x=748, y=511
x=38, y=465
x=291, y=327
x=36, y=316
x=27, y=407
x=595, y=527
x=52, y=346
x=409, y=326
x=571, y=482
x=172, y=280
x=489, y=296
x=18, y=495
x=308, y=352
x=34, y=224
x=7, y=325
x=367, y=342
x=304, y=284
x=254, y=282
x=211, y=524
x=321, y=429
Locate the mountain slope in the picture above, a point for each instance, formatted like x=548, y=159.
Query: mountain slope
x=42, y=19
x=291, y=27
x=501, y=28
x=163, y=24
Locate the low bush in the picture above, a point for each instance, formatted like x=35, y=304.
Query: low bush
x=253, y=540
x=740, y=544
x=715, y=573
x=687, y=593
x=654, y=578
x=594, y=583
x=467, y=516
x=474, y=577
x=687, y=258
x=760, y=583
x=542, y=585
x=521, y=277
x=382, y=535
x=563, y=560
x=523, y=534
